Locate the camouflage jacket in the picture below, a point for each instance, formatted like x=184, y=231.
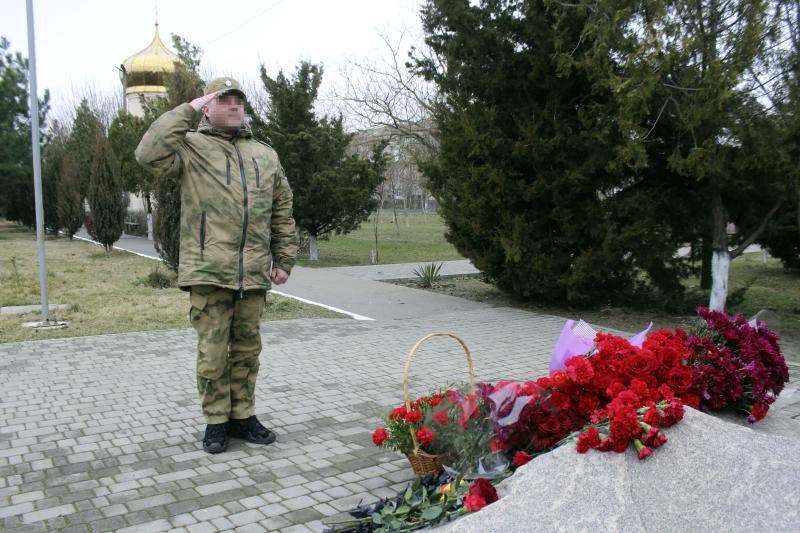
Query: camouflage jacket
x=236, y=204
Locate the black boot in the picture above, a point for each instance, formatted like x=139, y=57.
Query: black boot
x=251, y=430
x=216, y=438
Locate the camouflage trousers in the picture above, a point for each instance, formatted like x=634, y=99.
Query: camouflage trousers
x=228, y=346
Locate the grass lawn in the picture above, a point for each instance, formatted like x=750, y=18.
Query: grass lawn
x=104, y=292
x=421, y=239
x=753, y=287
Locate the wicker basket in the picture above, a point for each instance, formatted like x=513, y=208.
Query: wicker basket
x=423, y=463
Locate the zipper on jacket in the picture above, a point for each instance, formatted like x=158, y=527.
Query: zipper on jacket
x=228, y=168
x=244, y=221
x=258, y=180
x=202, y=233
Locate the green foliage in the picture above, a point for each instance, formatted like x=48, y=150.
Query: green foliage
x=428, y=276
x=124, y=135
x=582, y=143
x=157, y=279
x=16, y=169
x=69, y=205
x=105, y=195
x=333, y=190
x=86, y=127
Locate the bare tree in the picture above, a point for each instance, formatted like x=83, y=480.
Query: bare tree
x=386, y=93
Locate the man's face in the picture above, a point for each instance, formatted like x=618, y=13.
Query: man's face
x=225, y=111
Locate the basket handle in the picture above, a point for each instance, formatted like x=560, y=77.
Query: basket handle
x=406, y=368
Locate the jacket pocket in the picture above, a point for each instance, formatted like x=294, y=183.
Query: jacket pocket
x=228, y=169
x=258, y=176
x=202, y=233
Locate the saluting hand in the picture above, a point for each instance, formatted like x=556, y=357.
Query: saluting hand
x=198, y=103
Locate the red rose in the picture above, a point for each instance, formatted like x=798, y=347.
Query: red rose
x=549, y=424
x=521, y=458
x=436, y=400
x=640, y=364
x=544, y=382
x=474, y=503
x=425, y=435
x=440, y=418
x=413, y=416
x=484, y=489
x=379, y=435
x=680, y=378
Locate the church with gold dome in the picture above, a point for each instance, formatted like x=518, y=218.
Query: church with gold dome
x=142, y=74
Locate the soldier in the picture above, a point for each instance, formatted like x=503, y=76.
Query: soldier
x=237, y=237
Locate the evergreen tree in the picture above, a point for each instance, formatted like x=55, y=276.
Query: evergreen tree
x=69, y=205
x=538, y=174
x=86, y=127
x=334, y=191
x=17, y=201
x=105, y=195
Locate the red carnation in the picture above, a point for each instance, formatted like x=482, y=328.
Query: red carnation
x=379, y=435
x=672, y=413
x=544, y=382
x=399, y=412
x=560, y=400
x=413, y=416
x=440, y=418
x=615, y=388
x=645, y=452
x=425, y=435
x=651, y=416
x=521, y=458
x=579, y=370
x=666, y=392
x=588, y=439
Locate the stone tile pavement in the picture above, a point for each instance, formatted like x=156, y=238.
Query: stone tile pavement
x=102, y=433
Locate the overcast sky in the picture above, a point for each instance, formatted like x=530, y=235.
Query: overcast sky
x=80, y=43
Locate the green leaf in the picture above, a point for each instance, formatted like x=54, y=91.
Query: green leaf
x=409, y=494
x=377, y=520
x=432, y=513
x=403, y=509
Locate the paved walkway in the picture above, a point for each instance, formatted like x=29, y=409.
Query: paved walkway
x=354, y=290
x=102, y=433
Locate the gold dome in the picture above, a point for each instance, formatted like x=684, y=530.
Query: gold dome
x=144, y=70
